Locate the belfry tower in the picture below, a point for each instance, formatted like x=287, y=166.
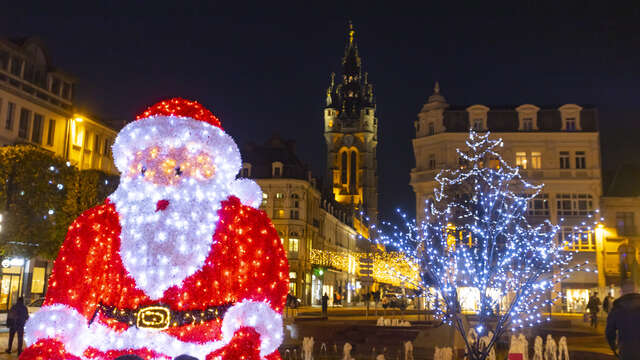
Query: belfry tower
x=351, y=132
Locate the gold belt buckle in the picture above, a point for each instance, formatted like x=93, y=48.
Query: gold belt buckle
x=153, y=317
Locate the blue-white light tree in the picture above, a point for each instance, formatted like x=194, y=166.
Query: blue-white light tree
x=475, y=235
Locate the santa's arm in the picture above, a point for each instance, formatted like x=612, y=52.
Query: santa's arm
x=263, y=272
x=74, y=287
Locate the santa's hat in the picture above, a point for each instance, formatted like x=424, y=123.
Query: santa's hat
x=179, y=123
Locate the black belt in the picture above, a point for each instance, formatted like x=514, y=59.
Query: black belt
x=161, y=316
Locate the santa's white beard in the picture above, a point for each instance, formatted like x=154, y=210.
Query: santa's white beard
x=161, y=248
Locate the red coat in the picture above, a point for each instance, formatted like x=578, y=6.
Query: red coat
x=246, y=263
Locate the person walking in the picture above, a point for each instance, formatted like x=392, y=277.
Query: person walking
x=622, y=330
x=16, y=318
x=325, y=305
x=594, y=306
x=607, y=303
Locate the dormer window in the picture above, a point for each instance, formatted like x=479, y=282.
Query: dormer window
x=570, y=115
x=478, y=117
x=477, y=125
x=276, y=169
x=245, y=172
x=432, y=129
x=527, y=117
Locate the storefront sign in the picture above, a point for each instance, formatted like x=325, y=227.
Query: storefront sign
x=12, y=262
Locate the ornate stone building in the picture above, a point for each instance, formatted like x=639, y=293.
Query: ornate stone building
x=308, y=224
x=555, y=145
x=351, y=133
x=36, y=107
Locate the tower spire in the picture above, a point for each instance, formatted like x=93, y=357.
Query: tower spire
x=352, y=33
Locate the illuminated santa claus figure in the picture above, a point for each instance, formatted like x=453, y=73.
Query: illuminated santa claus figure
x=176, y=261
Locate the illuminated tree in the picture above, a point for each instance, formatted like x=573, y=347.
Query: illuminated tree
x=40, y=194
x=476, y=238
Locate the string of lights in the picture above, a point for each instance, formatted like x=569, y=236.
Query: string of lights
x=475, y=235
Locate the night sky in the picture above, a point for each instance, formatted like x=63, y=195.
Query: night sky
x=264, y=69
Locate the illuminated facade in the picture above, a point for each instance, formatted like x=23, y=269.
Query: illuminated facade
x=36, y=107
x=351, y=134
x=558, y=146
x=619, y=235
x=304, y=220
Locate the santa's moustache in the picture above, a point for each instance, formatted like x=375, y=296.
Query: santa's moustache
x=167, y=231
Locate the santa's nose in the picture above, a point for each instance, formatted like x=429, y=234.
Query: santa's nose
x=162, y=204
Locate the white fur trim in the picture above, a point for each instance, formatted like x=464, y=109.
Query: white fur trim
x=258, y=315
x=175, y=131
x=248, y=191
x=70, y=327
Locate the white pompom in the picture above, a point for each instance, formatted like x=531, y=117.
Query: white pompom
x=248, y=191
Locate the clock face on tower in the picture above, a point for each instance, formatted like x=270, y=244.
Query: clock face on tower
x=348, y=140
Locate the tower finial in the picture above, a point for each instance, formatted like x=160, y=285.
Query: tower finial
x=436, y=88
x=351, y=33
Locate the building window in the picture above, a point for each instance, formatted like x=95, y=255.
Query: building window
x=536, y=160
x=577, y=238
x=574, y=204
x=343, y=168
x=570, y=124
x=4, y=59
x=66, y=91
x=106, y=151
x=527, y=124
x=265, y=198
x=55, y=86
x=96, y=144
x=564, y=160
x=432, y=161
x=276, y=169
x=16, y=66
x=292, y=282
x=293, y=245
x=279, y=195
x=494, y=162
x=36, y=131
x=23, y=126
x=11, y=109
x=477, y=124
x=521, y=159
x=625, y=224
x=581, y=160
x=51, y=132
x=294, y=214
x=538, y=206
x=352, y=174
x=432, y=129
x=245, y=172
x=37, y=280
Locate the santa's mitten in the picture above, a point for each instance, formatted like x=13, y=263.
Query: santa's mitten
x=47, y=349
x=258, y=316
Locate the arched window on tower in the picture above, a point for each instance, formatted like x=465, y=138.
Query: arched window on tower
x=354, y=170
x=343, y=168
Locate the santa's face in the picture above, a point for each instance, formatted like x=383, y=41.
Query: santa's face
x=167, y=203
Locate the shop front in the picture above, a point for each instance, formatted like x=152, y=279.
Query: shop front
x=22, y=278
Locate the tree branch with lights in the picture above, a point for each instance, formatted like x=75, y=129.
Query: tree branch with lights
x=475, y=235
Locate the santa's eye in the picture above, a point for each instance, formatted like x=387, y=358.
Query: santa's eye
x=143, y=170
x=178, y=171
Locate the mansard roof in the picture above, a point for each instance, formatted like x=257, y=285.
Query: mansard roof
x=262, y=156
x=504, y=118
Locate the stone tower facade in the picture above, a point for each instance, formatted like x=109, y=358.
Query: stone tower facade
x=351, y=133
